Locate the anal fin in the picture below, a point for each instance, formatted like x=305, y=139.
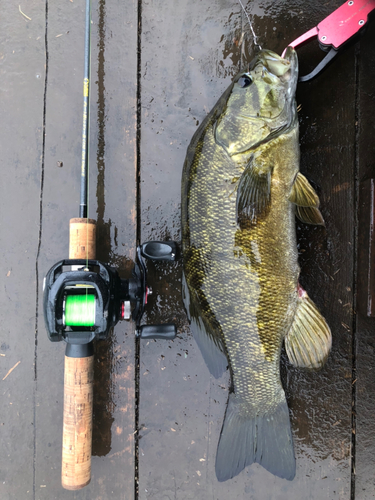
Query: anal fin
x=309, y=339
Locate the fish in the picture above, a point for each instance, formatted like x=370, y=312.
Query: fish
x=241, y=190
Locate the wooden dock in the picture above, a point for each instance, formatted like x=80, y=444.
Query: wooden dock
x=158, y=67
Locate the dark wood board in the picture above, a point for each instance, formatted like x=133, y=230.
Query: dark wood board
x=189, y=54
x=365, y=326
x=21, y=106
x=184, y=55
x=112, y=188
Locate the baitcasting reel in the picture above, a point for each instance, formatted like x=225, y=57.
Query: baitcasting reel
x=83, y=299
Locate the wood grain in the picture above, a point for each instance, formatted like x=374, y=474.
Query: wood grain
x=22, y=72
x=364, y=373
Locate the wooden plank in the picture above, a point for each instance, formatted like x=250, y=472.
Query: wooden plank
x=189, y=54
x=178, y=89
x=112, y=203
x=21, y=107
x=364, y=373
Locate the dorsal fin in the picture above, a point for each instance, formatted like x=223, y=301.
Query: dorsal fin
x=310, y=215
x=306, y=200
x=303, y=194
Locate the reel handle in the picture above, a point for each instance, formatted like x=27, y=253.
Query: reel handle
x=78, y=380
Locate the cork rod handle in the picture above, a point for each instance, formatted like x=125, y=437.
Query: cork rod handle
x=82, y=239
x=78, y=382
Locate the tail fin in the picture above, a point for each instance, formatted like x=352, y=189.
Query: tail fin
x=265, y=439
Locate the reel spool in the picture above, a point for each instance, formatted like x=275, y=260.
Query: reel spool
x=83, y=299
x=79, y=310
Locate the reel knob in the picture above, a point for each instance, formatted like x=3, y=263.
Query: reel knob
x=167, y=331
x=159, y=250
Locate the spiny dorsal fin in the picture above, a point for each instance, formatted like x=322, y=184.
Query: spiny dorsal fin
x=306, y=200
x=309, y=339
x=254, y=191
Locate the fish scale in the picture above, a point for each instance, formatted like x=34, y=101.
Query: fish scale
x=229, y=284
x=240, y=189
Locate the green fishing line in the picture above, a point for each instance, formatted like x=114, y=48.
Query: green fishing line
x=80, y=310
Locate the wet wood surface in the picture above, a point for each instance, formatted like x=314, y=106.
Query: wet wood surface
x=157, y=70
x=181, y=406
x=365, y=325
x=21, y=143
x=42, y=65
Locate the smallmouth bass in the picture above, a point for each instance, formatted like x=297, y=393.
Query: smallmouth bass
x=241, y=190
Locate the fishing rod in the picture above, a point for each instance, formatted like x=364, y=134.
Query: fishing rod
x=83, y=299
x=86, y=114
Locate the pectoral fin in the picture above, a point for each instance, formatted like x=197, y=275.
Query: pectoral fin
x=309, y=339
x=306, y=200
x=254, y=190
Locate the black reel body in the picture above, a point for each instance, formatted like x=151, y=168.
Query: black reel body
x=97, y=290
x=80, y=277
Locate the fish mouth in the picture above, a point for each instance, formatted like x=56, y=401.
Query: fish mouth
x=272, y=69
x=263, y=117
x=291, y=77
x=285, y=68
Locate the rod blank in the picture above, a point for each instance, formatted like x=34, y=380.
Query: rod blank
x=86, y=116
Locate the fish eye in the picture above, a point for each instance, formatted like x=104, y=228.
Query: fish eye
x=244, y=81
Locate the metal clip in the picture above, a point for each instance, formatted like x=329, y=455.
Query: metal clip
x=336, y=30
